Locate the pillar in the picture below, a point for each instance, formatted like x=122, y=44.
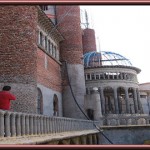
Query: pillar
x=116, y=101
x=18, y=124
x=13, y=124
x=7, y=124
x=23, y=130
x=102, y=100
x=127, y=100
x=95, y=97
x=83, y=140
x=89, y=139
x=135, y=101
x=2, y=123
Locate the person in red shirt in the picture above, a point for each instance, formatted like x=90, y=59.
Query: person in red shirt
x=5, y=98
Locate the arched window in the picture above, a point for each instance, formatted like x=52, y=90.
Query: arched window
x=55, y=105
x=39, y=102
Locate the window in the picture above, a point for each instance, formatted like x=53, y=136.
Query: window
x=39, y=102
x=45, y=43
x=55, y=105
x=44, y=7
x=41, y=39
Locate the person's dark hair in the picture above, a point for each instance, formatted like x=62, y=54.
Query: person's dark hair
x=6, y=88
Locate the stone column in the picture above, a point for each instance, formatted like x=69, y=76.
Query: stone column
x=127, y=100
x=41, y=124
x=7, y=124
x=27, y=124
x=2, y=123
x=95, y=97
x=89, y=139
x=18, y=124
x=31, y=124
x=102, y=101
x=138, y=101
x=23, y=131
x=116, y=101
x=94, y=139
x=35, y=124
x=44, y=125
x=38, y=124
x=83, y=140
x=47, y=124
x=13, y=124
x=75, y=140
x=135, y=100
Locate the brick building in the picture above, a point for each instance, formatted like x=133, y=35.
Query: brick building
x=43, y=46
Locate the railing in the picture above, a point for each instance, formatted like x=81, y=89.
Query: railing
x=14, y=124
x=125, y=119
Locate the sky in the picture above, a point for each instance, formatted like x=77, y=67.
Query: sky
x=124, y=29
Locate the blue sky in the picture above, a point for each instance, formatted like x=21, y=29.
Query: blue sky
x=124, y=29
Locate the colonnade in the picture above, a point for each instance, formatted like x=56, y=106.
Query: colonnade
x=110, y=76
x=130, y=99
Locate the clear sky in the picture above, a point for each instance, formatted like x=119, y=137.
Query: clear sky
x=124, y=29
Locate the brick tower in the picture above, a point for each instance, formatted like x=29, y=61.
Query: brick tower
x=68, y=18
x=88, y=39
x=18, y=54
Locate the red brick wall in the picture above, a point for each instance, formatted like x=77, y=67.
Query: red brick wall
x=18, y=43
x=18, y=54
x=71, y=48
x=50, y=76
x=88, y=39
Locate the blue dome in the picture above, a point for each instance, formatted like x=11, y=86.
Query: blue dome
x=104, y=58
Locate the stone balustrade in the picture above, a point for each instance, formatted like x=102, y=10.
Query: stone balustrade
x=14, y=124
x=125, y=119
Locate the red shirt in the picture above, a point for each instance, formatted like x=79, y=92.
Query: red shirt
x=5, y=97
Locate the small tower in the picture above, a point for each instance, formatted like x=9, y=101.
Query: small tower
x=68, y=18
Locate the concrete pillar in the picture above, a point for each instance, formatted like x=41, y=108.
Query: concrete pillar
x=2, y=123
x=102, y=100
x=127, y=100
x=18, y=124
x=13, y=124
x=31, y=124
x=116, y=101
x=38, y=124
x=47, y=125
x=44, y=125
x=41, y=124
x=94, y=137
x=95, y=97
x=7, y=124
x=135, y=100
x=75, y=140
x=27, y=124
x=138, y=101
x=66, y=142
x=23, y=130
x=35, y=125
x=83, y=140
x=89, y=139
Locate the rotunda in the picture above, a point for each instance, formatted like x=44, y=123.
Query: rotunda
x=116, y=80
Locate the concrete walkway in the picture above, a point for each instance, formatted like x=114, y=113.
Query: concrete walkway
x=44, y=139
